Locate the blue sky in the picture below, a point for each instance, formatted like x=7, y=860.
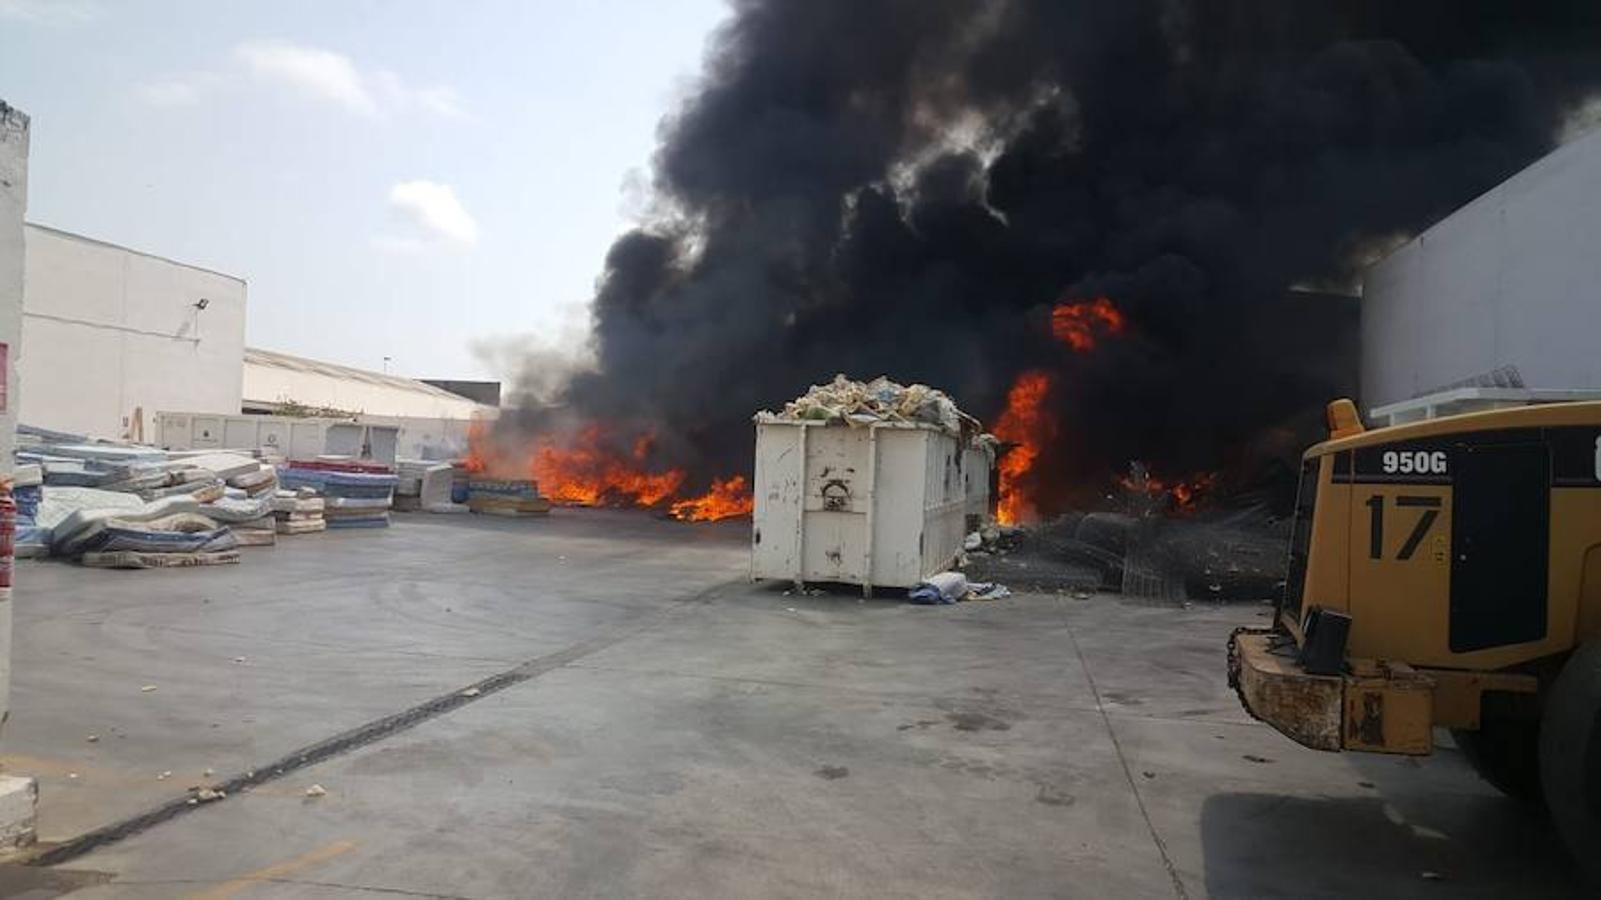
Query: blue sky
x=403, y=179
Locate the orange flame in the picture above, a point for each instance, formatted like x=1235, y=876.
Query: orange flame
x=584, y=469
x=1184, y=493
x=586, y=472
x=1029, y=426
x=1076, y=324
x=728, y=498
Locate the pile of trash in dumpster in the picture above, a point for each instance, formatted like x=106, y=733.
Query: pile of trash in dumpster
x=878, y=401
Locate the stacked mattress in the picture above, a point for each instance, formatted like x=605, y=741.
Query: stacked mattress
x=351, y=499
x=506, y=497
x=298, y=512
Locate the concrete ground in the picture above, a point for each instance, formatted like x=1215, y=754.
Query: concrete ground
x=645, y=722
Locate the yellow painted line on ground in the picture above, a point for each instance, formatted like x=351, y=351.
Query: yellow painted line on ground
x=283, y=869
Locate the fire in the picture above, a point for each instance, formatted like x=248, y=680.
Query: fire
x=728, y=497
x=1028, y=425
x=1183, y=493
x=588, y=469
x=585, y=471
x=1076, y=324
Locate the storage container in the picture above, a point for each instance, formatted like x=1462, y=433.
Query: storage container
x=881, y=505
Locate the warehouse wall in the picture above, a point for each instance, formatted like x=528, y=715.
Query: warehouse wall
x=1511, y=279
x=13, y=258
x=113, y=336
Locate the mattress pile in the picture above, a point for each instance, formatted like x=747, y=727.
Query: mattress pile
x=250, y=517
x=359, y=499
x=162, y=533
x=27, y=489
x=506, y=497
x=298, y=512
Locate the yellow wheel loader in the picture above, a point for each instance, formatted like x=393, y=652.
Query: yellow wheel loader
x=1446, y=573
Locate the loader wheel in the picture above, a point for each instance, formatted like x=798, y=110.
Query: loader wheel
x=1570, y=756
x=1505, y=751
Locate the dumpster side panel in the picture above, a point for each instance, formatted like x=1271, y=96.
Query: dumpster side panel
x=898, y=506
x=776, y=521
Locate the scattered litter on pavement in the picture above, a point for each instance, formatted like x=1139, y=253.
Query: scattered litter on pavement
x=147, y=688
x=471, y=692
x=93, y=738
x=316, y=790
x=939, y=588
x=950, y=587
x=986, y=590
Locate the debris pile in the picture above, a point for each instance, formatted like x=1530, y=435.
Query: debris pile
x=878, y=401
x=506, y=497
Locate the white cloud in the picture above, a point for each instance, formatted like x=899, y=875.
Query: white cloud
x=50, y=12
x=332, y=77
x=400, y=246
x=434, y=210
x=311, y=71
x=441, y=101
x=175, y=90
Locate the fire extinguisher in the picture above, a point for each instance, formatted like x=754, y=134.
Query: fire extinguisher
x=8, y=537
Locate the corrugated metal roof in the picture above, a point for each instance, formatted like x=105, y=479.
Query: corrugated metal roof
x=273, y=359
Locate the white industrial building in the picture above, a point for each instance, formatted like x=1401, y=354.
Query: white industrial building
x=274, y=380
x=114, y=335
x=1495, y=304
x=128, y=345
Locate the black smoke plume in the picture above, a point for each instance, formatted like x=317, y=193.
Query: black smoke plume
x=906, y=187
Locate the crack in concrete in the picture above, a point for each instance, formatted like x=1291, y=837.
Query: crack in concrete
x=372, y=732
x=1128, y=774
x=305, y=882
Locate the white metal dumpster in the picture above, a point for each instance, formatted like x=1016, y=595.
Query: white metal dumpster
x=882, y=504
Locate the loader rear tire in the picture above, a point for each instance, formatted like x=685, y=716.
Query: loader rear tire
x=1506, y=753
x=1570, y=756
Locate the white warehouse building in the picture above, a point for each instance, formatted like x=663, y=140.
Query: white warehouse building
x=274, y=380
x=111, y=335
x=1496, y=304
x=121, y=344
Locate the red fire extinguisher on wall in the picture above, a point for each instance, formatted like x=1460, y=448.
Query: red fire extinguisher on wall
x=8, y=537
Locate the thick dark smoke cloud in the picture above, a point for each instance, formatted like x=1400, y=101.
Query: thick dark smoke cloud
x=905, y=187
